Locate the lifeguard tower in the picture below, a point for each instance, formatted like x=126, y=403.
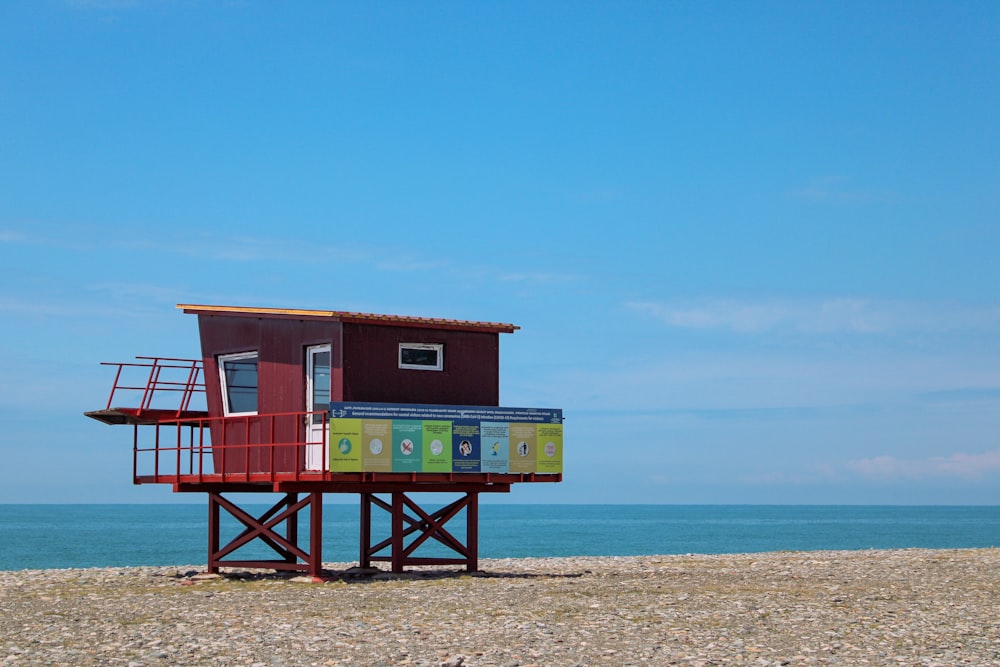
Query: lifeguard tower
x=303, y=403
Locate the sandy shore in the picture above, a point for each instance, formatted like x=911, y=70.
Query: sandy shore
x=908, y=607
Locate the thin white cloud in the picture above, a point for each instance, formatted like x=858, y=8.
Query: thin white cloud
x=13, y=306
x=206, y=245
x=537, y=277
x=10, y=236
x=958, y=465
x=843, y=377
x=56, y=238
x=598, y=195
x=113, y=4
x=836, y=189
x=72, y=310
x=405, y=265
x=820, y=316
x=216, y=247
x=139, y=291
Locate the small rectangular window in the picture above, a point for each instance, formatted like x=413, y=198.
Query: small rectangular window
x=238, y=373
x=421, y=356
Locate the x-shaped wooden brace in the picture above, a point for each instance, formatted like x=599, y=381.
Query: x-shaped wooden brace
x=428, y=525
x=263, y=528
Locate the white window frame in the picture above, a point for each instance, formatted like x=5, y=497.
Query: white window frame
x=437, y=347
x=222, y=358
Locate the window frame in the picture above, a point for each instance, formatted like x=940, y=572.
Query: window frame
x=437, y=347
x=224, y=385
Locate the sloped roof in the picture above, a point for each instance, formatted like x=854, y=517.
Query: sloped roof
x=345, y=316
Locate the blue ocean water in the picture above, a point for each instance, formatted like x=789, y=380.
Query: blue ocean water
x=61, y=536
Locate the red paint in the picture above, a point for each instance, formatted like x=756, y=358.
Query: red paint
x=471, y=373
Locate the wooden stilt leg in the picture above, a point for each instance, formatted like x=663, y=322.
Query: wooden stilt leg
x=398, y=557
x=292, y=528
x=365, y=560
x=213, y=533
x=472, y=532
x=316, y=534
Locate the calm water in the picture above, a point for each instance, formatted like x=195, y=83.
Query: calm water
x=57, y=536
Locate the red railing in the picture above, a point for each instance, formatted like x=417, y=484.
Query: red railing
x=246, y=448
x=165, y=375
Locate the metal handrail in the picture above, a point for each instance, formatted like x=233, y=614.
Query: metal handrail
x=188, y=458
x=188, y=386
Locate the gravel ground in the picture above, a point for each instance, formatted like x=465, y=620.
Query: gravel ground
x=906, y=607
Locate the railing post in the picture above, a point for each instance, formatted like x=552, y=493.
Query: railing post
x=114, y=387
x=189, y=387
x=154, y=377
x=201, y=450
x=246, y=449
x=135, y=453
x=270, y=452
x=156, y=455
x=222, y=448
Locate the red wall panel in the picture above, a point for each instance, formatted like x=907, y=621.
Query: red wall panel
x=471, y=374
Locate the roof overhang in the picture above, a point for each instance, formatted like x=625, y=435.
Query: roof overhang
x=344, y=316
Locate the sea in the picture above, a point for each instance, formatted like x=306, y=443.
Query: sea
x=82, y=536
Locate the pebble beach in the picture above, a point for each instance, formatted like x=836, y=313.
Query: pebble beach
x=900, y=607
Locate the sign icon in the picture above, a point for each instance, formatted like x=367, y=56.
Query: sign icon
x=375, y=446
x=406, y=447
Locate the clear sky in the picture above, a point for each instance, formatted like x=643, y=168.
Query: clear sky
x=754, y=247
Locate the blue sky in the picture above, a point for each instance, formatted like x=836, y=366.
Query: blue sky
x=752, y=246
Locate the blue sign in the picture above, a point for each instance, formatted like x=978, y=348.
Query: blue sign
x=429, y=412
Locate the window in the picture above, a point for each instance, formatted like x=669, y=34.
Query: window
x=239, y=383
x=422, y=356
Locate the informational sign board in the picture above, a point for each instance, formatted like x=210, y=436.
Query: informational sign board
x=406, y=437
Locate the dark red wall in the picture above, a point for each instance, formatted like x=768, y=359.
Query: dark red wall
x=370, y=372
x=471, y=374
x=280, y=346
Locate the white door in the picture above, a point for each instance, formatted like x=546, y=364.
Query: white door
x=317, y=398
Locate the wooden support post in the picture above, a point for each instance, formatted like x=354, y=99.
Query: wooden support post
x=213, y=532
x=398, y=508
x=316, y=534
x=365, y=560
x=472, y=531
x=291, y=524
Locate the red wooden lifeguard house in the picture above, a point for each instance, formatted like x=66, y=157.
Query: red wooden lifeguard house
x=307, y=402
